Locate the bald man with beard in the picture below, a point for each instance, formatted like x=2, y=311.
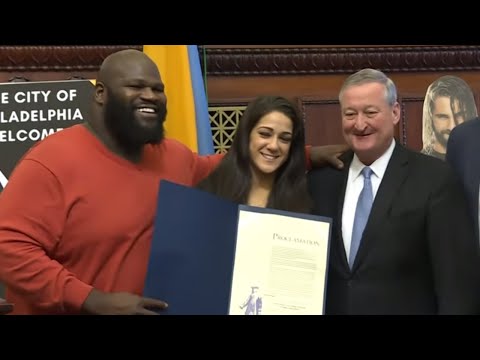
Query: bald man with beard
x=76, y=218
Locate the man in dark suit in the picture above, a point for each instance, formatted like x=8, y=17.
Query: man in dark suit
x=463, y=151
x=402, y=240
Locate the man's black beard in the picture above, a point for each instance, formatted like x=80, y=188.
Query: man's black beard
x=128, y=133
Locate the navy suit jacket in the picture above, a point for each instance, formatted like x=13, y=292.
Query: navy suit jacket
x=418, y=253
x=463, y=154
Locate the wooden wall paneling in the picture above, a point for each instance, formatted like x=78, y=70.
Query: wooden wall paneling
x=323, y=122
x=411, y=125
x=476, y=95
x=292, y=87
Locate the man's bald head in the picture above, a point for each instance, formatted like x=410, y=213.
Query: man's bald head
x=129, y=61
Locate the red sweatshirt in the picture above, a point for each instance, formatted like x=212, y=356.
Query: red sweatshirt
x=75, y=216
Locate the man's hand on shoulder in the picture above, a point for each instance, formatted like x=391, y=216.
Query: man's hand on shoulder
x=327, y=155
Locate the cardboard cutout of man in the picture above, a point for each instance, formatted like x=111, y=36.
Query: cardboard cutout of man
x=448, y=102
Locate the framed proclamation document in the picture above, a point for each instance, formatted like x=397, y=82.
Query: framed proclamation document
x=210, y=256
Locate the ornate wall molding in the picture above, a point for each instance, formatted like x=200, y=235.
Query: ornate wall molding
x=335, y=60
x=259, y=61
x=56, y=58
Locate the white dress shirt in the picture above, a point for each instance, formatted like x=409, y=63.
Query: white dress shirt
x=355, y=186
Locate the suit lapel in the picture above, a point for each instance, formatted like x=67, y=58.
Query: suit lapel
x=393, y=178
x=347, y=159
x=474, y=186
x=475, y=178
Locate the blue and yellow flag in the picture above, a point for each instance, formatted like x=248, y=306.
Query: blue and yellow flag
x=187, y=116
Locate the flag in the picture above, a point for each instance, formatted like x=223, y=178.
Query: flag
x=187, y=116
